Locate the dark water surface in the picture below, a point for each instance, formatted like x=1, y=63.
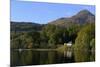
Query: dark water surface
x=30, y=57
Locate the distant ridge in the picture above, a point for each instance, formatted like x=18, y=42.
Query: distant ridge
x=25, y=26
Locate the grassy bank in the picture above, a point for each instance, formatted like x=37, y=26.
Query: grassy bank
x=62, y=48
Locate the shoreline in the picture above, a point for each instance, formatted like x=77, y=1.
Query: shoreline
x=36, y=49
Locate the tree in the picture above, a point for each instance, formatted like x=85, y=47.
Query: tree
x=92, y=44
x=82, y=42
x=73, y=30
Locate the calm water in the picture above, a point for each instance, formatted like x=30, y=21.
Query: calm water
x=29, y=57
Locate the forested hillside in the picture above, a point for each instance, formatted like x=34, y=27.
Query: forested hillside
x=63, y=30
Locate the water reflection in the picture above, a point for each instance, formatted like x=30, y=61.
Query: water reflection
x=68, y=54
x=30, y=57
x=84, y=56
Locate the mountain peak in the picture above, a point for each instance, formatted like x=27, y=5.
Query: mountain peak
x=85, y=12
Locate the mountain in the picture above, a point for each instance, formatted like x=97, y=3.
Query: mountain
x=24, y=26
x=81, y=17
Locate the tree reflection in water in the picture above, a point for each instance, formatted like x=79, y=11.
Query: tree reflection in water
x=84, y=55
x=29, y=57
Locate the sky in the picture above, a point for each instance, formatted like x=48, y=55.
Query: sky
x=42, y=13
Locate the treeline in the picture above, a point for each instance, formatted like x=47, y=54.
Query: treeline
x=49, y=36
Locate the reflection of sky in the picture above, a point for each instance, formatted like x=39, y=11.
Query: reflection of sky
x=44, y=12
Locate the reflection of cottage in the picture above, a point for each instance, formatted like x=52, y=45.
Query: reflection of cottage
x=68, y=54
x=68, y=44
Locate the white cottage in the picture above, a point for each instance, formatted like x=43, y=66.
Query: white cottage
x=68, y=44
